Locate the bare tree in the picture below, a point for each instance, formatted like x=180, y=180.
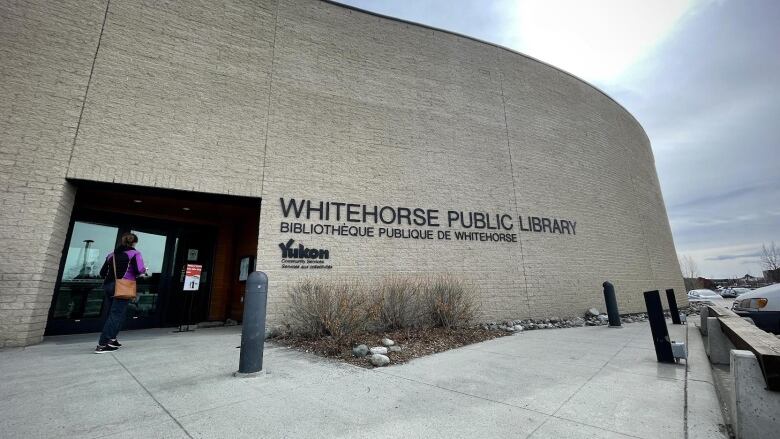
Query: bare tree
x=690, y=269
x=770, y=257
x=690, y=272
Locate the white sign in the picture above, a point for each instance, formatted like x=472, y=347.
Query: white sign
x=192, y=277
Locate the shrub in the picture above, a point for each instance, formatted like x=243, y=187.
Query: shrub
x=450, y=301
x=399, y=303
x=341, y=309
x=336, y=309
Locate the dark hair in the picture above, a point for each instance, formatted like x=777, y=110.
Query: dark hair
x=128, y=239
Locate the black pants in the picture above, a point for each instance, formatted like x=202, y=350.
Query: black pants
x=116, y=315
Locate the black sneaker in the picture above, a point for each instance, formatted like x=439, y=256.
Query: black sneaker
x=114, y=343
x=102, y=349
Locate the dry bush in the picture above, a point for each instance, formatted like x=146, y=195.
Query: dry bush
x=400, y=304
x=336, y=309
x=450, y=301
x=341, y=309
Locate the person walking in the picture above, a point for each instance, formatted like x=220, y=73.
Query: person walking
x=125, y=259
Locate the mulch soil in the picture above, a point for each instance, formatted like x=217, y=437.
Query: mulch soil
x=414, y=343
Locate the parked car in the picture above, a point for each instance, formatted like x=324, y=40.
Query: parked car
x=733, y=292
x=702, y=296
x=727, y=292
x=762, y=306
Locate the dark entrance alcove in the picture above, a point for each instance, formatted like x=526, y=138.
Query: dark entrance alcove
x=175, y=228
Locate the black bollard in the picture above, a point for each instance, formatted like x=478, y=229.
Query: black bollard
x=655, y=313
x=612, y=308
x=253, y=330
x=673, y=306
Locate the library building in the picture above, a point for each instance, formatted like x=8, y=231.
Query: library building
x=305, y=139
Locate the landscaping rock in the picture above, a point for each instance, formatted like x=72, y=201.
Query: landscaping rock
x=360, y=351
x=593, y=312
x=603, y=318
x=395, y=348
x=518, y=328
x=387, y=342
x=380, y=360
x=380, y=350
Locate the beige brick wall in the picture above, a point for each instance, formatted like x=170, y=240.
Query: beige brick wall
x=381, y=112
x=46, y=50
x=305, y=99
x=179, y=96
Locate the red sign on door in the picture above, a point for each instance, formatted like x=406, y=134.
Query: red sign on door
x=192, y=277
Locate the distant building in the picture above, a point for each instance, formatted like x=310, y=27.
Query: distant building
x=772, y=276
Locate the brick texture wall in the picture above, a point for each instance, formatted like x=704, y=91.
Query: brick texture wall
x=47, y=50
x=306, y=99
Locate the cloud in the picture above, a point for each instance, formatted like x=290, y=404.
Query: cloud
x=594, y=39
x=489, y=21
x=708, y=97
x=727, y=261
x=753, y=255
x=728, y=195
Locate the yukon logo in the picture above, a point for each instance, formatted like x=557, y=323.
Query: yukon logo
x=301, y=252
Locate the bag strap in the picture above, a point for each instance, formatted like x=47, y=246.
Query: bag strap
x=113, y=260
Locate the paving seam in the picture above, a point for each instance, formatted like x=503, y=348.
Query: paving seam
x=506, y=404
x=153, y=398
x=685, y=400
x=258, y=394
x=580, y=388
x=127, y=430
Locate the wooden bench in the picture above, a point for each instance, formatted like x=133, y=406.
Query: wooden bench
x=746, y=336
x=719, y=311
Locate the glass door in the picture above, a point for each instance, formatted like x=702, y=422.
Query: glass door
x=78, y=304
x=144, y=311
x=78, y=299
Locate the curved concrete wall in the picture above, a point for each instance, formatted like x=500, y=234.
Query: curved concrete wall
x=311, y=100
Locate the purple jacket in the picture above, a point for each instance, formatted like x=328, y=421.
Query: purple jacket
x=130, y=262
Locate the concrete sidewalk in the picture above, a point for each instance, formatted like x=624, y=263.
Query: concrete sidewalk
x=590, y=382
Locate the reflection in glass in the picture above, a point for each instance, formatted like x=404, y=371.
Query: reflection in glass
x=80, y=294
x=152, y=248
x=89, y=244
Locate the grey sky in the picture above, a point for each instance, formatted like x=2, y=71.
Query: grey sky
x=703, y=78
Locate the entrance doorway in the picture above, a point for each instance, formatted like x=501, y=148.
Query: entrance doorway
x=176, y=231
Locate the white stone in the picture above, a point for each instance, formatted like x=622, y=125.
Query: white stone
x=387, y=342
x=380, y=360
x=378, y=350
